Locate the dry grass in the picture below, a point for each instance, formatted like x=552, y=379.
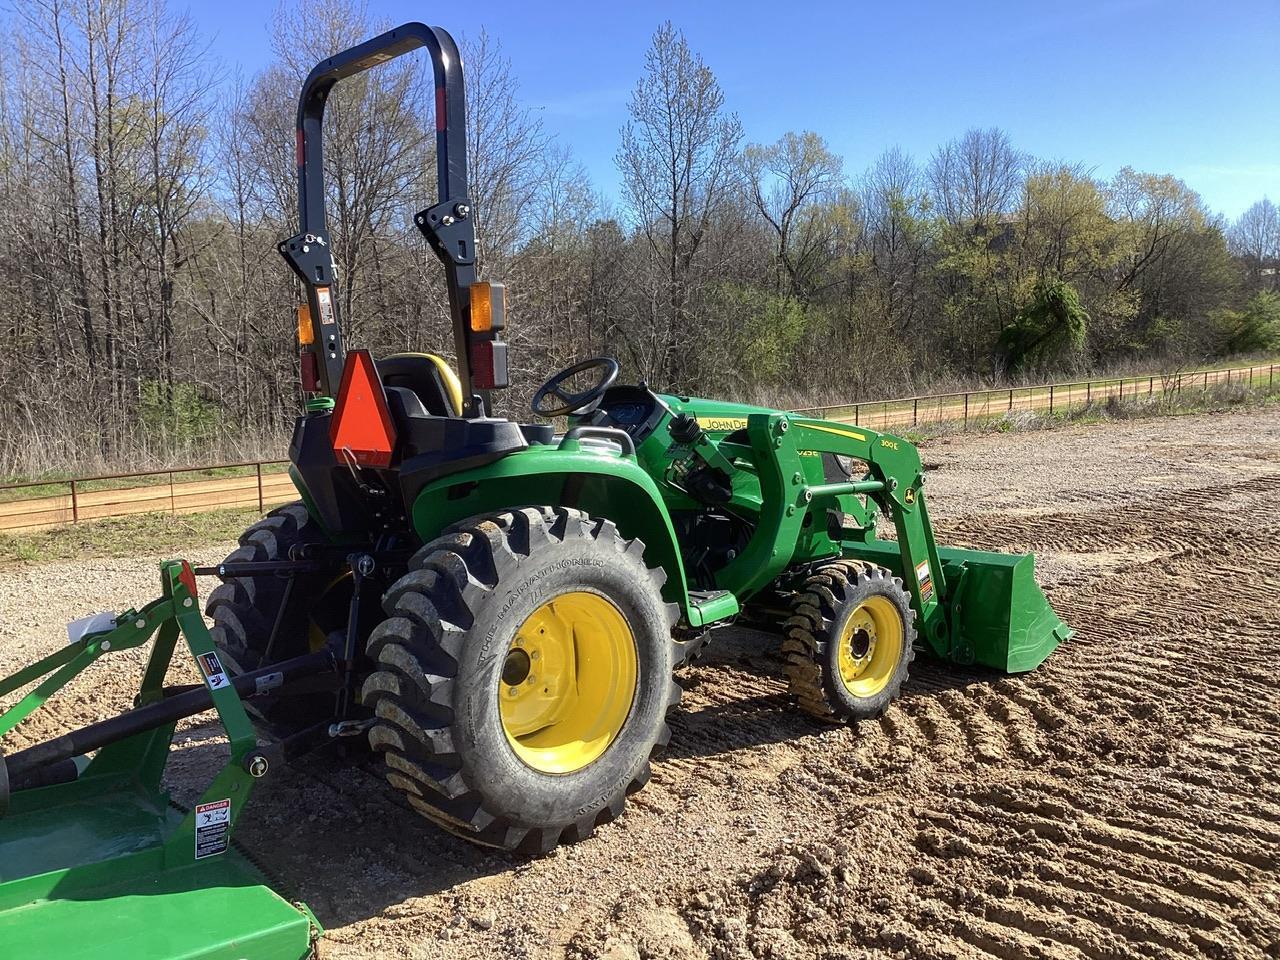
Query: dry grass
x=125, y=536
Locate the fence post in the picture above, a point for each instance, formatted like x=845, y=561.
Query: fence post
x=966, y=408
x=259, y=466
x=173, y=507
x=1206, y=381
x=1151, y=386
x=1271, y=377
x=1011, y=399
x=75, y=503
x=1088, y=392
x=857, y=409
x=915, y=411
x=1051, y=399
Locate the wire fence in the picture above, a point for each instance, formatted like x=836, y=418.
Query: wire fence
x=1051, y=398
x=261, y=484
x=49, y=503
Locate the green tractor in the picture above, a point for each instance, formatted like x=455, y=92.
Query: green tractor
x=497, y=609
x=539, y=589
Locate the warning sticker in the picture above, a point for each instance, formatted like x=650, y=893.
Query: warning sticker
x=213, y=828
x=213, y=672
x=925, y=579
x=325, y=298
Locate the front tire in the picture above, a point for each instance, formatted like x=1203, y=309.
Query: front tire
x=523, y=677
x=849, y=641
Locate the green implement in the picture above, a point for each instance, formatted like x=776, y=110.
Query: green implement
x=95, y=860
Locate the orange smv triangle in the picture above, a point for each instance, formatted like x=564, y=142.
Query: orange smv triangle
x=361, y=429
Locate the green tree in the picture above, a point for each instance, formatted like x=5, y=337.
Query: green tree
x=796, y=186
x=1051, y=323
x=1252, y=330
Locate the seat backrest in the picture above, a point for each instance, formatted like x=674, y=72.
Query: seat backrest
x=429, y=377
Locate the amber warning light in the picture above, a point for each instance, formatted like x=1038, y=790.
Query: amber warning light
x=361, y=431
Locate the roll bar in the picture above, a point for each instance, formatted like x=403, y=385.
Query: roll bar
x=448, y=225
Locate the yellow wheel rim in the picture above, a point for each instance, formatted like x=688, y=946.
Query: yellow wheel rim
x=317, y=636
x=871, y=646
x=568, y=682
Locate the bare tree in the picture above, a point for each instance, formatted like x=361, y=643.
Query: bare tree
x=1255, y=237
x=173, y=127
x=974, y=179
x=505, y=148
x=895, y=209
x=677, y=161
x=793, y=184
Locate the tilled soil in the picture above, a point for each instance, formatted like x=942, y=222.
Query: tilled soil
x=1120, y=801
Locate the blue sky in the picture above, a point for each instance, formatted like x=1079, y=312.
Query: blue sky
x=1188, y=87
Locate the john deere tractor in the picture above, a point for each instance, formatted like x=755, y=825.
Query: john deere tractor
x=497, y=608
x=538, y=589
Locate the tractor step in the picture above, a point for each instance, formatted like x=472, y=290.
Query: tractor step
x=710, y=606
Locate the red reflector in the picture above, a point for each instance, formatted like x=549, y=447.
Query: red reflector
x=442, y=118
x=302, y=148
x=188, y=577
x=361, y=428
x=481, y=356
x=310, y=371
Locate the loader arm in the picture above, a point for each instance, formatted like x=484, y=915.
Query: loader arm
x=971, y=606
x=779, y=442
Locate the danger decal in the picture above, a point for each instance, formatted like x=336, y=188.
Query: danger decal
x=925, y=579
x=213, y=828
x=214, y=675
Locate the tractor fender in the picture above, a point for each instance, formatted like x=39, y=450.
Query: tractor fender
x=604, y=484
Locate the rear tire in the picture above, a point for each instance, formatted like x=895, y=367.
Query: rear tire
x=464, y=630
x=244, y=611
x=849, y=641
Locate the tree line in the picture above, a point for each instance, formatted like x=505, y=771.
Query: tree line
x=147, y=317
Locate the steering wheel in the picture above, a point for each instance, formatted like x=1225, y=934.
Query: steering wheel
x=571, y=402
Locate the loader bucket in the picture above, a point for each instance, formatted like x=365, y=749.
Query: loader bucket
x=1000, y=617
x=994, y=612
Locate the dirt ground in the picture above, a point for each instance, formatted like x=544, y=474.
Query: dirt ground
x=1121, y=801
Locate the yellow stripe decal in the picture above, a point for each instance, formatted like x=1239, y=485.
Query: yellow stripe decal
x=838, y=432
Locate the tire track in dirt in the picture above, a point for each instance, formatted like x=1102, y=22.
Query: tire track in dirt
x=1116, y=803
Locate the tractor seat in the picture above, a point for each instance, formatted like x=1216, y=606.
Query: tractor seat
x=426, y=376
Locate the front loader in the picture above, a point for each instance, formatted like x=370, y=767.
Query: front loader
x=498, y=609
